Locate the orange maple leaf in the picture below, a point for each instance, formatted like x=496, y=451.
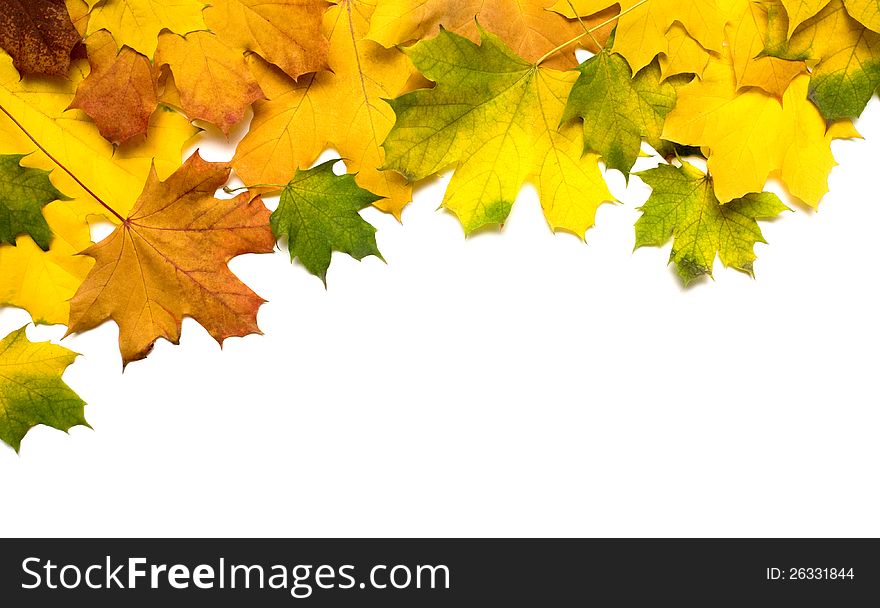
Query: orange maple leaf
x=169, y=259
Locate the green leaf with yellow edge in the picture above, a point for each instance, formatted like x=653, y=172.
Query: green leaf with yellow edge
x=619, y=110
x=845, y=60
x=495, y=118
x=683, y=206
x=31, y=389
x=319, y=214
x=23, y=194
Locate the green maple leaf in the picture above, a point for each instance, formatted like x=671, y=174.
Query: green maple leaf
x=683, y=206
x=31, y=389
x=319, y=214
x=619, y=110
x=23, y=194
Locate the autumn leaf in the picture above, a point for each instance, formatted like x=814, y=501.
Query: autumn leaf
x=866, y=12
x=31, y=389
x=114, y=174
x=799, y=11
x=751, y=135
x=683, y=206
x=526, y=26
x=286, y=33
x=137, y=23
x=169, y=260
x=617, y=109
x=683, y=54
x=845, y=59
x=43, y=282
x=119, y=93
x=318, y=214
x=343, y=109
x=70, y=145
x=749, y=30
x=645, y=24
x=23, y=194
x=214, y=82
x=493, y=117
x=38, y=34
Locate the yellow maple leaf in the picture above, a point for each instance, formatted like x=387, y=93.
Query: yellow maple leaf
x=644, y=24
x=526, y=26
x=800, y=10
x=866, y=12
x=751, y=135
x=42, y=281
x=286, y=33
x=684, y=55
x=495, y=118
x=343, y=109
x=137, y=23
x=747, y=33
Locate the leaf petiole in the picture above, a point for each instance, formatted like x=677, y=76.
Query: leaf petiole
x=229, y=190
x=589, y=32
x=65, y=169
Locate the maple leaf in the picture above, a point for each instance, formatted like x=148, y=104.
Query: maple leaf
x=748, y=32
x=213, y=80
x=43, y=282
x=286, y=33
x=23, y=194
x=119, y=93
x=137, y=23
x=683, y=206
x=31, y=389
x=343, y=109
x=751, y=135
x=526, y=26
x=318, y=214
x=866, y=12
x=617, y=109
x=169, y=260
x=114, y=174
x=494, y=117
x=845, y=59
x=38, y=34
x=683, y=54
x=644, y=24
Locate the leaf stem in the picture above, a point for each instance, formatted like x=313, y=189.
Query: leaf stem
x=589, y=32
x=583, y=25
x=58, y=162
x=229, y=190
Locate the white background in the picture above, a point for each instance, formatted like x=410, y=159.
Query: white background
x=513, y=384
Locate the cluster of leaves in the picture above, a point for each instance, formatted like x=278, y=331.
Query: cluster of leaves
x=98, y=98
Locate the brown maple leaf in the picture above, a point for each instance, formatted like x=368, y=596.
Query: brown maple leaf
x=119, y=93
x=169, y=259
x=38, y=35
